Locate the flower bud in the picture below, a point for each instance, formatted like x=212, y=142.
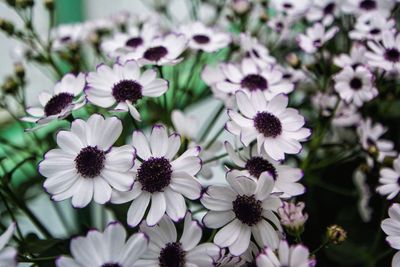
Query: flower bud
x=292, y=217
x=241, y=6
x=49, y=4
x=336, y=234
x=10, y=85
x=19, y=70
x=6, y=26
x=293, y=60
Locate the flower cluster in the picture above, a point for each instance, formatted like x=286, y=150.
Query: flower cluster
x=219, y=141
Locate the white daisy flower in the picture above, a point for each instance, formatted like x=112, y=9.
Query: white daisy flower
x=68, y=35
x=166, y=250
x=315, y=37
x=391, y=226
x=160, y=178
x=205, y=38
x=58, y=104
x=354, y=59
x=135, y=38
x=255, y=50
x=8, y=255
x=245, y=208
x=323, y=11
x=293, y=256
x=250, y=77
x=163, y=50
x=254, y=164
x=86, y=165
x=390, y=180
x=371, y=140
x=277, y=129
x=385, y=55
x=355, y=85
x=359, y=7
x=370, y=26
x=105, y=249
x=123, y=86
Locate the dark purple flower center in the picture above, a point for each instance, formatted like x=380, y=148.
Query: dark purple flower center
x=155, y=174
x=392, y=54
x=267, y=124
x=127, y=90
x=375, y=31
x=356, y=83
x=201, y=38
x=58, y=103
x=90, y=161
x=155, y=53
x=172, y=255
x=134, y=42
x=368, y=4
x=257, y=165
x=65, y=39
x=247, y=209
x=287, y=5
x=317, y=42
x=254, y=82
x=329, y=8
x=111, y=265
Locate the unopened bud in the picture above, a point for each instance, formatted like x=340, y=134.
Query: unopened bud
x=6, y=26
x=373, y=150
x=336, y=234
x=19, y=70
x=241, y=6
x=10, y=85
x=49, y=4
x=292, y=217
x=293, y=60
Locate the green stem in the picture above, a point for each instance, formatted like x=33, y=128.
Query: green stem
x=211, y=123
x=214, y=138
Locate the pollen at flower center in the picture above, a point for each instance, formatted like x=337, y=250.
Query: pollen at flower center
x=155, y=53
x=368, y=4
x=172, y=255
x=254, y=82
x=257, y=165
x=267, y=124
x=201, y=38
x=392, y=55
x=90, y=161
x=134, y=42
x=127, y=90
x=247, y=209
x=155, y=174
x=57, y=103
x=356, y=83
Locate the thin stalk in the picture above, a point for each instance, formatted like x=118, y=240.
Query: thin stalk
x=211, y=122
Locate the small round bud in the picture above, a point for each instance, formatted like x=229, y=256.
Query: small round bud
x=19, y=70
x=336, y=234
x=241, y=6
x=49, y=4
x=10, y=85
x=6, y=26
x=264, y=17
x=373, y=150
x=293, y=60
